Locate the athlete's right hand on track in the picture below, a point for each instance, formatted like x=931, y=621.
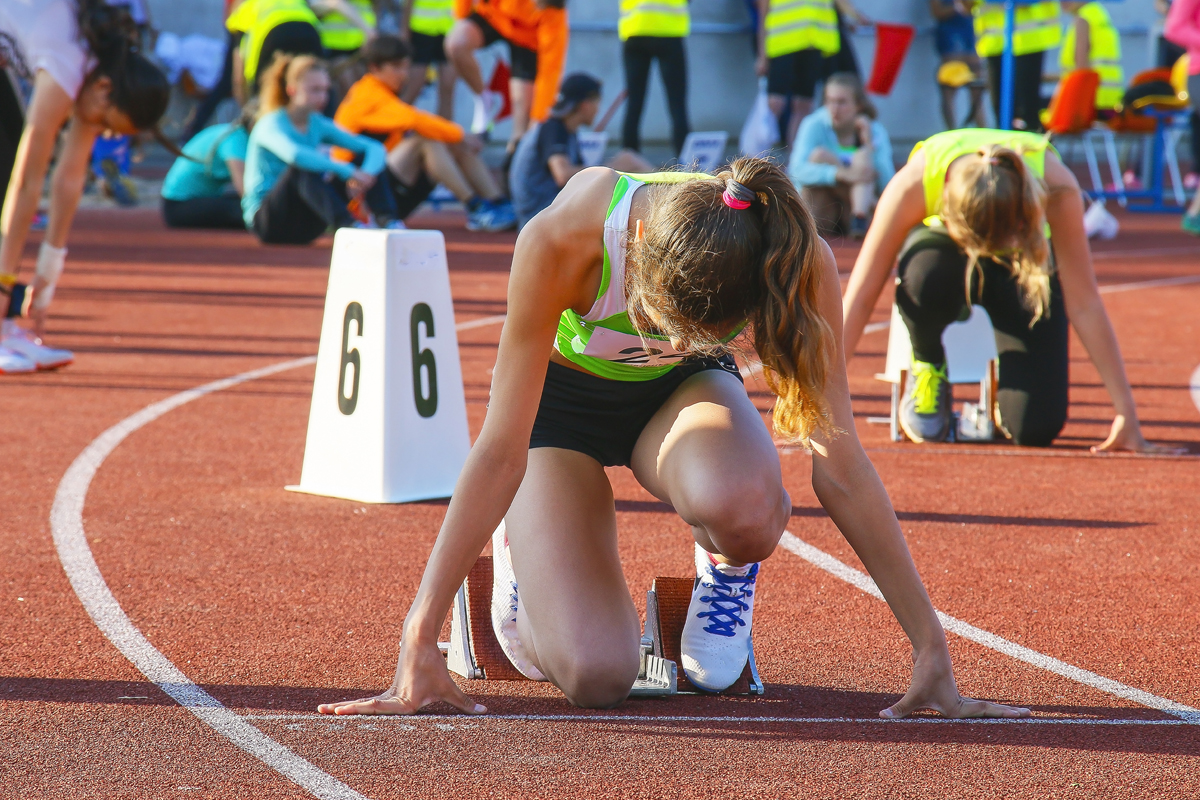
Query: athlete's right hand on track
x=933, y=688
x=421, y=679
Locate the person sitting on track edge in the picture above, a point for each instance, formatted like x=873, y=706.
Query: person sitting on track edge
x=423, y=149
x=637, y=287
x=86, y=69
x=287, y=198
x=203, y=188
x=970, y=216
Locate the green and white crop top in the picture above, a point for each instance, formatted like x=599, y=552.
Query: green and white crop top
x=604, y=341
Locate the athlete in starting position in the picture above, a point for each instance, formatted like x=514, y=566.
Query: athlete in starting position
x=625, y=296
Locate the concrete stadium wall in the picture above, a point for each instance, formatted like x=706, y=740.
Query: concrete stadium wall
x=722, y=80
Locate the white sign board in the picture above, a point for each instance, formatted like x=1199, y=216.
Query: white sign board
x=388, y=422
x=704, y=152
x=592, y=145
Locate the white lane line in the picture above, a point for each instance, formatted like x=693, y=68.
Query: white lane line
x=1161, y=251
x=482, y=322
x=66, y=524
x=471, y=722
x=1195, y=387
x=1113, y=288
x=863, y=582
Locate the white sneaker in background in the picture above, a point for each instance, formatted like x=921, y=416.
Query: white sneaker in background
x=13, y=363
x=1098, y=222
x=716, y=636
x=487, y=106
x=504, y=607
x=16, y=339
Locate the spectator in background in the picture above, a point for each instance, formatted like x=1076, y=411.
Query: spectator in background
x=1183, y=28
x=845, y=59
x=793, y=39
x=1091, y=41
x=842, y=158
x=425, y=24
x=1168, y=54
x=287, y=198
x=650, y=30
x=1037, y=30
x=548, y=154
x=423, y=149
x=954, y=38
x=203, y=188
x=537, y=35
x=345, y=26
x=262, y=29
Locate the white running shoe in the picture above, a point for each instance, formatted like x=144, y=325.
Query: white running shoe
x=487, y=106
x=716, y=636
x=13, y=363
x=504, y=607
x=18, y=340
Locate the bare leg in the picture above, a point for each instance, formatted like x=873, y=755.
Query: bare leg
x=948, y=95
x=416, y=153
x=708, y=454
x=461, y=43
x=862, y=194
x=522, y=104
x=415, y=83
x=576, y=620
x=630, y=161
x=475, y=172
x=447, y=78
x=406, y=159
x=801, y=107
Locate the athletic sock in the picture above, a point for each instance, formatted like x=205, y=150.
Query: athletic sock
x=704, y=559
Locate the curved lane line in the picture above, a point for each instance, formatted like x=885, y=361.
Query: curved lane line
x=1195, y=387
x=822, y=560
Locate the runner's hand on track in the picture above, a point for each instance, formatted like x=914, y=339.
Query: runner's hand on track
x=1128, y=436
x=421, y=679
x=933, y=688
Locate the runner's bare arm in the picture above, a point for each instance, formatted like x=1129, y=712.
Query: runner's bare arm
x=848, y=487
x=901, y=207
x=554, y=259
x=1085, y=308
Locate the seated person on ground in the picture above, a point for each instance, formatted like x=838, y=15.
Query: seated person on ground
x=842, y=158
x=548, y=155
x=288, y=199
x=1091, y=41
x=203, y=188
x=423, y=149
x=969, y=217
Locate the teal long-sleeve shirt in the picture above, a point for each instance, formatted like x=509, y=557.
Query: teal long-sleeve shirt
x=275, y=145
x=816, y=130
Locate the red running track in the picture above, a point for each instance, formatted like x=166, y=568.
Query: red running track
x=273, y=601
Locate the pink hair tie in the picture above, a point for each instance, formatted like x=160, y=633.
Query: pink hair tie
x=733, y=202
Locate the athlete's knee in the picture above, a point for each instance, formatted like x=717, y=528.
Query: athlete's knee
x=745, y=519
x=592, y=679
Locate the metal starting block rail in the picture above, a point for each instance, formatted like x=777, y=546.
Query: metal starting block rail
x=474, y=653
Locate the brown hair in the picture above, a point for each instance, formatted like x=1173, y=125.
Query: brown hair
x=285, y=70
x=848, y=80
x=704, y=266
x=994, y=208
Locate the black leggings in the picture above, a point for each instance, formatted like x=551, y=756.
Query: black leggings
x=204, y=212
x=1027, y=88
x=1033, y=379
x=12, y=124
x=639, y=51
x=302, y=205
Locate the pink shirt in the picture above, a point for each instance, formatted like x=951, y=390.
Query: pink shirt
x=1183, y=28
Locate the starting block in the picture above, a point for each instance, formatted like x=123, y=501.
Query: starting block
x=474, y=653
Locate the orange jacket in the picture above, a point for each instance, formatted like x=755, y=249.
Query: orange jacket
x=543, y=30
x=372, y=107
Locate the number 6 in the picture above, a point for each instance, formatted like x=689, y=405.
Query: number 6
x=346, y=405
x=426, y=405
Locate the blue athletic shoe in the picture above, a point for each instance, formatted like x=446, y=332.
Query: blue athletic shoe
x=716, y=636
x=492, y=216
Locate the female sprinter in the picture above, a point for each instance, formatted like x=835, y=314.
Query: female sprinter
x=286, y=197
x=995, y=192
x=85, y=69
x=608, y=358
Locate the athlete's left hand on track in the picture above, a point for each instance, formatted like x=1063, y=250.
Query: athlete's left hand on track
x=933, y=688
x=1128, y=437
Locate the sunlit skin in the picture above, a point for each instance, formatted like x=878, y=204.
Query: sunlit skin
x=708, y=424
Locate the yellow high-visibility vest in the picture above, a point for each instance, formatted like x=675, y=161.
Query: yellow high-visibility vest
x=339, y=33
x=794, y=25
x=1036, y=28
x=669, y=18
x=1104, y=54
x=432, y=17
x=254, y=19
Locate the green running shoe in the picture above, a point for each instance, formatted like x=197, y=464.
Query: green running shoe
x=1191, y=224
x=925, y=408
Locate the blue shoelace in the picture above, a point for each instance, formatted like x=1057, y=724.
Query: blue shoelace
x=726, y=600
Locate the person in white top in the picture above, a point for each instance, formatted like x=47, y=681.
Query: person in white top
x=83, y=61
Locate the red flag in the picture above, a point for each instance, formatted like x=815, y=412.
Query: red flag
x=499, y=85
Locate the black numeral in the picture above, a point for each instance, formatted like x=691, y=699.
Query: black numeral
x=426, y=404
x=354, y=313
